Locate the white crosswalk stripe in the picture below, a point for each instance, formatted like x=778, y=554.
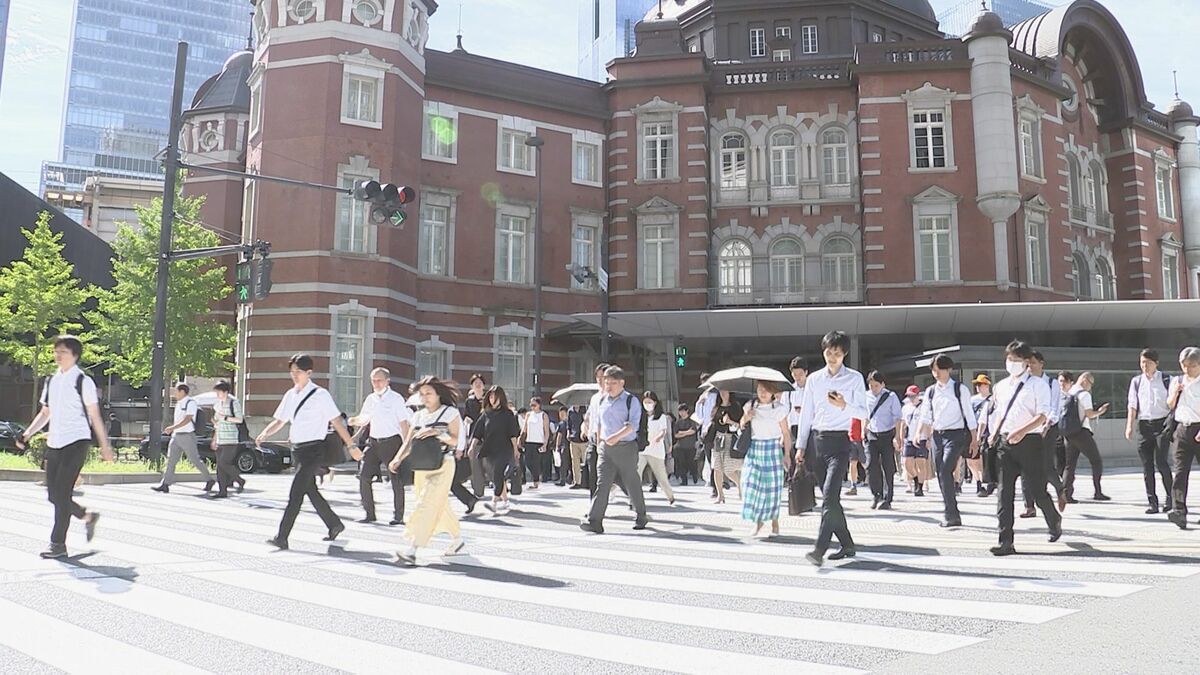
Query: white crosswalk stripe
x=557, y=599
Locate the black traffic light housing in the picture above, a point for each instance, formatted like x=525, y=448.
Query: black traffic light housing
x=387, y=201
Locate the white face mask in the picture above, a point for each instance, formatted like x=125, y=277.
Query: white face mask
x=649, y=407
x=1015, y=368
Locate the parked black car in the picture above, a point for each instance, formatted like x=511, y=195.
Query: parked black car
x=9, y=433
x=269, y=457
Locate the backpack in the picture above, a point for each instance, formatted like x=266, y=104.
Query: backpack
x=643, y=431
x=78, y=390
x=957, y=397
x=1071, y=422
x=1137, y=387
x=200, y=420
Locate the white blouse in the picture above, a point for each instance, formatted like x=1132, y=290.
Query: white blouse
x=654, y=427
x=765, y=424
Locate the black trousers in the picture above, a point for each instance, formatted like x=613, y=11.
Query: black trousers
x=500, y=464
x=304, y=484
x=948, y=447
x=1050, y=473
x=462, y=473
x=375, y=459
x=227, y=471
x=685, y=464
x=591, y=459
x=1022, y=459
x=1084, y=444
x=1154, y=448
x=833, y=453
x=533, y=461
x=1187, y=450
x=62, y=468
x=881, y=464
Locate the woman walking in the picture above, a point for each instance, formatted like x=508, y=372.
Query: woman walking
x=227, y=413
x=721, y=436
x=766, y=420
x=658, y=433
x=495, y=436
x=432, y=436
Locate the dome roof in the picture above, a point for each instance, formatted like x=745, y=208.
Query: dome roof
x=987, y=23
x=227, y=90
x=672, y=9
x=1180, y=110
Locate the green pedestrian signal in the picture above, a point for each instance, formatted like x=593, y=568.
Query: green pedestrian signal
x=681, y=357
x=243, y=282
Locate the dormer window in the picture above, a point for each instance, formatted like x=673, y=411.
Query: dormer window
x=368, y=12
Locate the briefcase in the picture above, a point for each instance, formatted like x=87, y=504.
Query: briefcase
x=801, y=495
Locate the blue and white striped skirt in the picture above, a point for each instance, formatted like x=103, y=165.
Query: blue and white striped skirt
x=762, y=480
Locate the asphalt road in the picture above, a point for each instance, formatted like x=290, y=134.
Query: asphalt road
x=175, y=583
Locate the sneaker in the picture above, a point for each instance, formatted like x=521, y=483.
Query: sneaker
x=89, y=524
x=853, y=491
x=814, y=558
x=456, y=548
x=407, y=558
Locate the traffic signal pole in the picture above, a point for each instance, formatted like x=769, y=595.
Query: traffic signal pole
x=171, y=166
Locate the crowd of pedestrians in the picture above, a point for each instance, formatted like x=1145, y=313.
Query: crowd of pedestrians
x=767, y=445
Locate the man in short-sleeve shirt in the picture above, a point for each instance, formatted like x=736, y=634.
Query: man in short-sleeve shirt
x=183, y=440
x=388, y=416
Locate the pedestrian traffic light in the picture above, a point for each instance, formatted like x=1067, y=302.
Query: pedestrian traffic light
x=243, y=284
x=262, y=278
x=681, y=357
x=387, y=201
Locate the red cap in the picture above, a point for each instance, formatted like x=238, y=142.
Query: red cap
x=912, y=390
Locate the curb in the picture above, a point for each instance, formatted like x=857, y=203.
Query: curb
x=34, y=475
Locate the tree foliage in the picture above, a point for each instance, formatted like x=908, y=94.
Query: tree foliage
x=198, y=342
x=40, y=298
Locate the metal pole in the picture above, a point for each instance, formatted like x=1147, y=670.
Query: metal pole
x=537, y=287
x=171, y=166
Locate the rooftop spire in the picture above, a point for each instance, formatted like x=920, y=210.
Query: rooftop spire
x=660, y=13
x=250, y=34
x=1175, y=75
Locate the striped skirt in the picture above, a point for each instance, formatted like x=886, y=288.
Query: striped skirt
x=762, y=480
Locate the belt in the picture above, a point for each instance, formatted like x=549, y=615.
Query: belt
x=952, y=431
x=385, y=438
x=832, y=432
x=307, y=444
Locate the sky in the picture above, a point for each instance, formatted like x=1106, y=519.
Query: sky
x=33, y=88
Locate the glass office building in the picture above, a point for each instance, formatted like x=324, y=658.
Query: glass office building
x=3, y=37
x=606, y=32
x=957, y=20
x=122, y=66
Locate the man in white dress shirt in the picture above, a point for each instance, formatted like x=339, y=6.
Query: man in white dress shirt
x=1148, y=394
x=591, y=423
x=1014, y=428
x=702, y=415
x=183, y=440
x=833, y=397
x=799, y=370
x=69, y=404
x=310, y=410
x=1037, y=368
x=1185, y=402
x=882, y=442
x=388, y=416
x=948, y=421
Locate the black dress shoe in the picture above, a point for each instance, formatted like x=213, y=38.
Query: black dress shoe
x=278, y=543
x=875, y=503
x=640, y=525
x=55, y=552
x=209, y=485
x=1101, y=497
x=591, y=527
x=241, y=485
x=1055, y=534
x=368, y=519
x=843, y=553
x=396, y=521
x=885, y=506
x=1178, y=518
x=814, y=558
x=161, y=488
x=1002, y=550
x=1072, y=500
x=89, y=524
x=1028, y=513
x=1153, y=509
x=472, y=505
x=333, y=534
x=219, y=495
x=948, y=524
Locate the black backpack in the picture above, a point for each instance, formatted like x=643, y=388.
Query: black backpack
x=1071, y=423
x=643, y=432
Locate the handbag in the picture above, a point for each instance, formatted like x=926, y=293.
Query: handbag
x=991, y=453
x=801, y=493
x=742, y=446
x=723, y=441
x=427, y=453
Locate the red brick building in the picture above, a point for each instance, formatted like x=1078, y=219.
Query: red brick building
x=758, y=173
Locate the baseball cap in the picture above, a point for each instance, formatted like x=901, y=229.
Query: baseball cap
x=981, y=379
x=912, y=390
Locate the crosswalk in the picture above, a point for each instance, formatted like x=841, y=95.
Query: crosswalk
x=177, y=584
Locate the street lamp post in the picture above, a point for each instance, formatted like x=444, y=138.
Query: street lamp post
x=536, y=142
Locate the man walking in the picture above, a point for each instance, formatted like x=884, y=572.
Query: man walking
x=1037, y=367
x=685, y=431
x=1081, y=440
x=833, y=397
x=183, y=440
x=619, y=418
x=387, y=417
x=1185, y=404
x=705, y=403
x=1014, y=424
x=1148, y=409
x=72, y=408
x=947, y=414
x=472, y=410
x=591, y=422
x=882, y=442
x=310, y=410
x=578, y=445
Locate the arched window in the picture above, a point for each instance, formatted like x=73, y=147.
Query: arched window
x=783, y=159
x=835, y=155
x=787, y=267
x=1099, y=203
x=1106, y=283
x=736, y=268
x=1075, y=183
x=733, y=162
x=839, y=265
x=1083, y=277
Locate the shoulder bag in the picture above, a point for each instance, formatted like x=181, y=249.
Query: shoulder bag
x=428, y=453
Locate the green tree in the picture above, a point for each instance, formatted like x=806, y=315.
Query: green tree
x=40, y=298
x=198, y=342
